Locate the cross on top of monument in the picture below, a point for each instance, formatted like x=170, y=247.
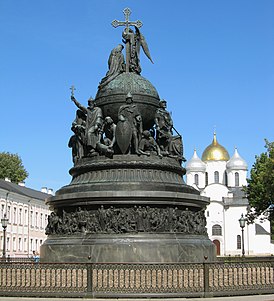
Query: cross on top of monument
x=133, y=41
x=72, y=88
x=126, y=23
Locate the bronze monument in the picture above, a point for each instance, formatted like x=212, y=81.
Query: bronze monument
x=127, y=200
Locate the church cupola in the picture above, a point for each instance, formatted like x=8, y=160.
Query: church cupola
x=195, y=163
x=236, y=162
x=236, y=170
x=195, y=171
x=215, y=156
x=215, y=152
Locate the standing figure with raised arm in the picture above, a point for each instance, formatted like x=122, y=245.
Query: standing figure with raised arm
x=94, y=123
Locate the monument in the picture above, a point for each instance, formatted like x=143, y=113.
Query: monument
x=127, y=200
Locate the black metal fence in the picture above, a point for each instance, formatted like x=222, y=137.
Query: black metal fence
x=136, y=280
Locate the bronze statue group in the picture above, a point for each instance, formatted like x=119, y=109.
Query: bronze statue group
x=96, y=135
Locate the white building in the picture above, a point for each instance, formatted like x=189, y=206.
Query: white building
x=27, y=218
x=221, y=178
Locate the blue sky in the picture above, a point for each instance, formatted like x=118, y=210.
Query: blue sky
x=213, y=63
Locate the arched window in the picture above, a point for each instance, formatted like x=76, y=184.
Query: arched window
x=217, y=230
x=206, y=179
x=196, y=179
x=20, y=244
x=216, y=177
x=225, y=176
x=239, y=242
x=237, y=179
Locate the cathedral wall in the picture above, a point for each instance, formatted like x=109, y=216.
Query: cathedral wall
x=233, y=230
x=259, y=244
x=220, y=167
x=214, y=217
x=232, y=178
x=215, y=192
x=190, y=178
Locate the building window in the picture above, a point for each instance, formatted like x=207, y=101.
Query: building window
x=20, y=216
x=237, y=179
x=8, y=213
x=8, y=243
x=20, y=244
x=25, y=244
x=239, y=242
x=225, y=177
x=14, y=215
x=36, y=219
x=41, y=220
x=196, y=179
x=207, y=213
x=31, y=218
x=26, y=217
x=14, y=244
x=2, y=210
x=217, y=230
x=216, y=177
x=206, y=179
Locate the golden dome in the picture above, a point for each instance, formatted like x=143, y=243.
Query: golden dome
x=215, y=152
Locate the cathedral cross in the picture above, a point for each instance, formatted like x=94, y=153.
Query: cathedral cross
x=72, y=88
x=127, y=24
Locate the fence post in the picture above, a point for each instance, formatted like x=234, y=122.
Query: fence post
x=89, y=279
x=206, y=279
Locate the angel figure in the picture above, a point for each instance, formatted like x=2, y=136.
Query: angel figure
x=135, y=41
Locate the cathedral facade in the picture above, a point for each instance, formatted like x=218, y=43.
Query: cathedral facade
x=221, y=179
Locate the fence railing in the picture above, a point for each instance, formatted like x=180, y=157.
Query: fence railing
x=16, y=259
x=133, y=280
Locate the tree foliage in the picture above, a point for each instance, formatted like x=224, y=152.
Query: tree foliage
x=11, y=167
x=260, y=188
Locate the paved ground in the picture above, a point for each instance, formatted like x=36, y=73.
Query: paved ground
x=242, y=298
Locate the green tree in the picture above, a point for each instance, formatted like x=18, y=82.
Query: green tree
x=11, y=167
x=260, y=188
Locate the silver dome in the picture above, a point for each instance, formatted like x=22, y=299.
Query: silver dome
x=195, y=163
x=236, y=162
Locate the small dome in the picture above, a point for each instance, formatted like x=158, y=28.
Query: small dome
x=215, y=152
x=236, y=162
x=195, y=163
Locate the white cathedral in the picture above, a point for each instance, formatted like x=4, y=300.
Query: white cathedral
x=221, y=178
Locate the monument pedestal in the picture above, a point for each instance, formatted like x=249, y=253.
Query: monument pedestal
x=135, y=248
x=138, y=209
